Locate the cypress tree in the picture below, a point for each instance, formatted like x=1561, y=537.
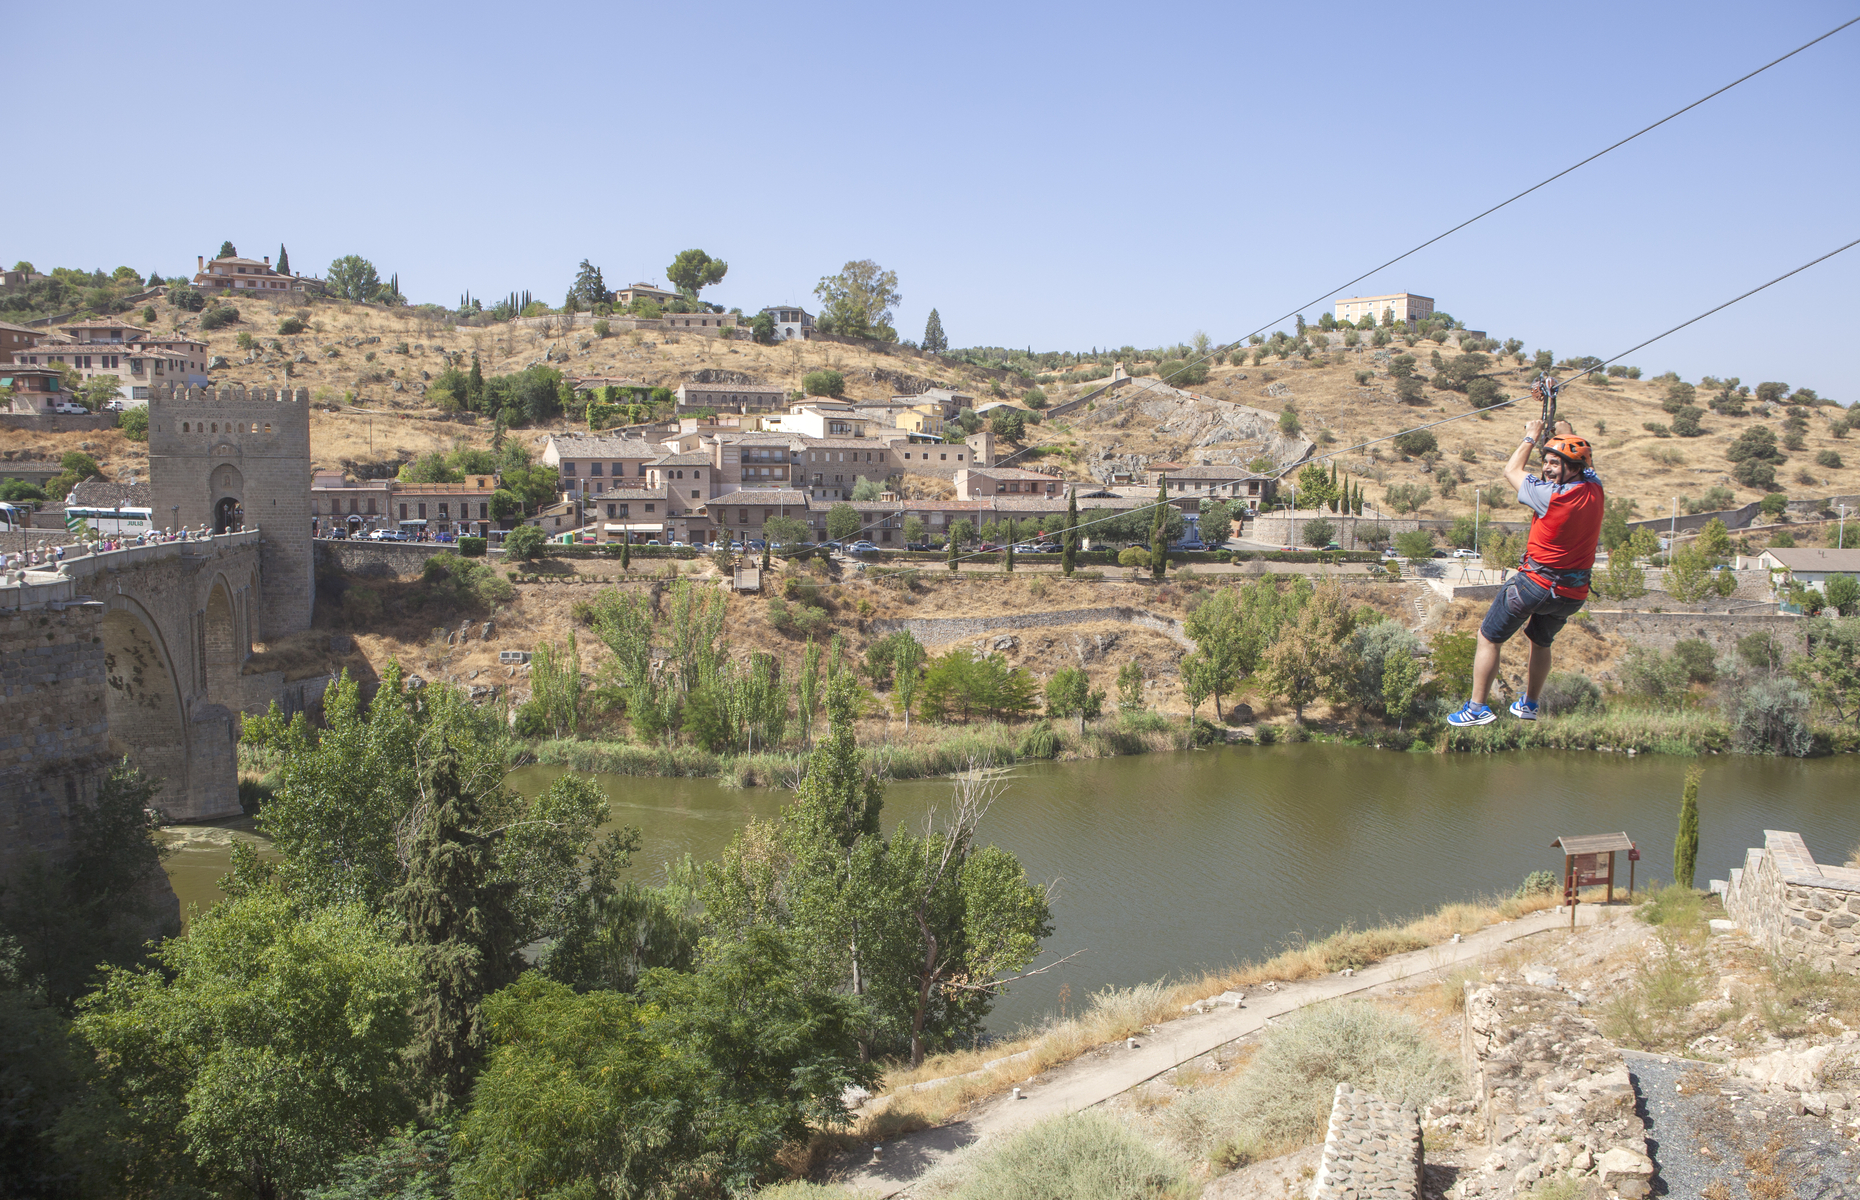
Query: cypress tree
x=457, y=913
x=935, y=340
x=952, y=553
x=227, y=250
x=626, y=552
x=474, y=384
x=284, y=260
x=1008, y=561
x=1159, y=546
x=765, y=550
x=1070, y=550
x=1334, y=495
x=1686, y=845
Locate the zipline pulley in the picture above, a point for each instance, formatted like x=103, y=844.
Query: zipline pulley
x=1546, y=389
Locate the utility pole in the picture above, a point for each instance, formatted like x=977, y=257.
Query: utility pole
x=1476, y=498
x=1672, y=527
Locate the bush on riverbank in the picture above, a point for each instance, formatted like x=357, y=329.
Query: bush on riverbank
x=1645, y=731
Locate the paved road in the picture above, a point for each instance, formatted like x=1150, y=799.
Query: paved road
x=1085, y=1082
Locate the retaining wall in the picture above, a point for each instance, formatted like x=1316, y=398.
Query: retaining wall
x=57, y=422
x=1794, y=907
x=936, y=631
x=1372, y=1149
x=54, y=743
x=358, y=556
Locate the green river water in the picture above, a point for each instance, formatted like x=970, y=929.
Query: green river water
x=1167, y=864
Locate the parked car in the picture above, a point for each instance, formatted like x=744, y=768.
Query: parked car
x=386, y=535
x=113, y=406
x=1463, y=552
x=70, y=409
x=1332, y=546
x=442, y=537
x=918, y=546
x=1439, y=554
x=1190, y=545
x=757, y=544
x=678, y=545
x=862, y=547
x=1388, y=552
x=835, y=547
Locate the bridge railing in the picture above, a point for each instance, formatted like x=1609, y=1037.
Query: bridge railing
x=32, y=587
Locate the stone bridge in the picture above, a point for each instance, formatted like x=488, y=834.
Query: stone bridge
x=141, y=653
x=137, y=652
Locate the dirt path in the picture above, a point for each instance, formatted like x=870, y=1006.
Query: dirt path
x=892, y=1166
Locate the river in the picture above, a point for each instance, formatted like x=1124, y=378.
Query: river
x=1166, y=864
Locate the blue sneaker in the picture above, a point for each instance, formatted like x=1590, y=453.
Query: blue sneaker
x=1472, y=714
x=1524, y=708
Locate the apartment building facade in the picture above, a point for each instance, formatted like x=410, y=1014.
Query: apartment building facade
x=138, y=360
x=237, y=275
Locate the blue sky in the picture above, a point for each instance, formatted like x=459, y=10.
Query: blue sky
x=1060, y=177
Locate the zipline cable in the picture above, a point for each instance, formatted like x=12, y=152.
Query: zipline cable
x=1501, y=204
x=1477, y=411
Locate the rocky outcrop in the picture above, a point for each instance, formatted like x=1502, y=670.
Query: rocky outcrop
x=1551, y=1094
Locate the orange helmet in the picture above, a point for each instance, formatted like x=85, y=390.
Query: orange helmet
x=1571, y=447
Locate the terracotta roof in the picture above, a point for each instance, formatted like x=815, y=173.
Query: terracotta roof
x=1013, y=473
x=682, y=460
x=1211, y=471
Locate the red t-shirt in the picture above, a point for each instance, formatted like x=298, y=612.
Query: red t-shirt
x=1567, y=529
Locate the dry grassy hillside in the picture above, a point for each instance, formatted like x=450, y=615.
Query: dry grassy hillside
x=371, y=411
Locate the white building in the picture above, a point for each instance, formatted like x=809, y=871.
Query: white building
x=1810, y=565
x=791, y=323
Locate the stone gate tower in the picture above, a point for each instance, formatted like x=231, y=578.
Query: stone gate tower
x=229, y=458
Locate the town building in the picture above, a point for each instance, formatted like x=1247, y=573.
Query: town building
x=358, y=506
x=643, y=291
x=741, y=514
x=731, y=397
x=593, y=464
x=139, y=359
x=792, y=323
x=981, y=483
x=1189, y=485
x=16, y=338
x=829, y=468
x=19, y=279
x=1403, y=306
x=1810, y=566
x=235, y=275
x=949, y=403
x=35, y=389
x=820, y=419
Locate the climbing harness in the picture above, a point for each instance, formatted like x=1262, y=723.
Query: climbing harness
x=1547, y=389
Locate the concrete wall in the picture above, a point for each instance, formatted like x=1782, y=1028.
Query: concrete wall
x=1795, y=908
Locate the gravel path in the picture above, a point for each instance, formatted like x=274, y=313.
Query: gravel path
x=1714, y=1139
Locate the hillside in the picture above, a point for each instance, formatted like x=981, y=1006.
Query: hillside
x=372, y=414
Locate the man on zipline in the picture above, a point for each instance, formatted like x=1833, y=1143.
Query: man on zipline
x=1553, y=581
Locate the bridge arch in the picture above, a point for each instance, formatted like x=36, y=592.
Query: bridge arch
x=227, y=485
x=222, y=657
x=142, y=698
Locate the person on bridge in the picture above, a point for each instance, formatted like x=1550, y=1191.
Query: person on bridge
x=1553, y=580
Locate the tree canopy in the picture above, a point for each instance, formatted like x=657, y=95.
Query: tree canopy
x=693, y=271
x=858, y=301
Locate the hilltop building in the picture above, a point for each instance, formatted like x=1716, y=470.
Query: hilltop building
x=1406, y=306
x=233, y=275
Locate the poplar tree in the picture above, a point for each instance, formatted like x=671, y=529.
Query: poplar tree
x=907, y=657
x=935, y=340
x=474, y=384
x=1686, y=845
x=457, y=911
x=1008, y=561
x=284, y=260
x=1070, y=551
x=953, y=565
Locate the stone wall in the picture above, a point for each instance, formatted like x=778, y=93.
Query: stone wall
x=1794, y=907
x=54, y=740
x=376, y=559
x=57, y=422
x=1372, y=1149
x=1659, y=631
x=937, y=631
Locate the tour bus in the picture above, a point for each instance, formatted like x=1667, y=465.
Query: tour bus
x=110, y=522
x=14, y=518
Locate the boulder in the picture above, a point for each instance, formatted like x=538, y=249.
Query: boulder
x=1628, y=1172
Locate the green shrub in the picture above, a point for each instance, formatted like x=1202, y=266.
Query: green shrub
x=186, y=298
x=1569, y=692
x=292, y=324
x=134, y=422
x=1084, y=1156
x=223, y=314
x=1283, y=1098
x=824, y=383
x=1695, y=655
x=525, y=542
x=361, y=605
x=1537, y=883
x=472, y=547
x=1134, y=556
x=1771, y=717
x=1040, y=741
